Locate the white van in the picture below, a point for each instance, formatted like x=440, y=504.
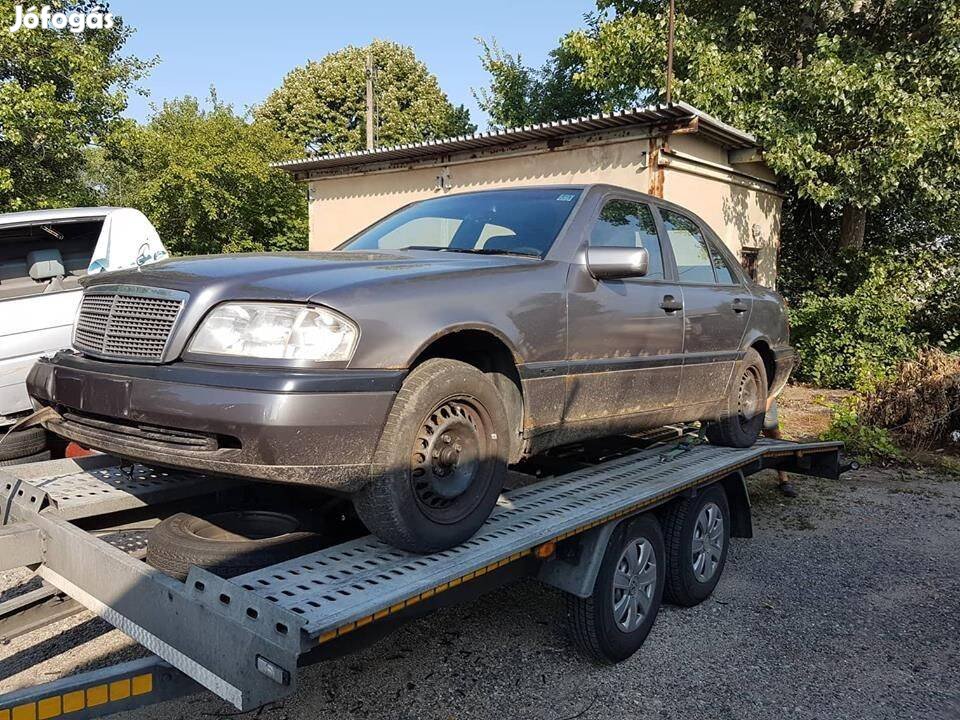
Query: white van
x=43, y=255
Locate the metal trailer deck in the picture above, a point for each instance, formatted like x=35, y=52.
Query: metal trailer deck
x=245, y=637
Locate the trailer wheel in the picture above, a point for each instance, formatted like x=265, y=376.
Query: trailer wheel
x=611, y=624
x=441, y=459
x=697, y=535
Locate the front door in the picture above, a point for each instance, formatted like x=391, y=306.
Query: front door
x=716, y=308
x=625, y=337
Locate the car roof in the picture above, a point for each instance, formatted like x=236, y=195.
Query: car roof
x=36, y=217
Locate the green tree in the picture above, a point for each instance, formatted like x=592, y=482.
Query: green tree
x=322, y=105
x=59, y=92
x=848, y=96
x=521, y=95
x=203, y=177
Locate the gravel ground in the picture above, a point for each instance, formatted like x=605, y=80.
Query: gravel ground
x=846, y=604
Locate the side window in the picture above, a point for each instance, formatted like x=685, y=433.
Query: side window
x=623, y=223
x=694, y=263
x=725, y=276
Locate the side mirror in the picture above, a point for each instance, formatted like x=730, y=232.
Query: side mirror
x=610, y=263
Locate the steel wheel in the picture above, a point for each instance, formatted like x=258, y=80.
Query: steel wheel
x=750, y=400
x=707, y=544
x=450, y=463
x=634, y=584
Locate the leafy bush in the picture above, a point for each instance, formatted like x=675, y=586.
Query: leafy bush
x=855, y=340
x=867, y=442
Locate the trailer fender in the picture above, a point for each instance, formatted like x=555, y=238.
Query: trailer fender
x=741, y=517
x=575, y=567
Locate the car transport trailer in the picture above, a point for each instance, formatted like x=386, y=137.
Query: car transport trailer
x=614, y=534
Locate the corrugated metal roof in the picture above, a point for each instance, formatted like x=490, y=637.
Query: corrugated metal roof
x=708, y=126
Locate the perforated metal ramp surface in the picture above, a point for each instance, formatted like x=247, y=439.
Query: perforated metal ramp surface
x=100, y=485
x=346, y=586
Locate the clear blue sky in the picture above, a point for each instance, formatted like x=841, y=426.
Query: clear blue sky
x=245, y=48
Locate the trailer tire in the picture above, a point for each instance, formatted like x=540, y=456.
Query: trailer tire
x=424, y=495
x=597, y=625
x=227, y=543
x=22, y=443
x=703, y=521
x=742, y=419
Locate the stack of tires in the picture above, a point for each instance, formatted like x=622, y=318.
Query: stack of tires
x=23, y=446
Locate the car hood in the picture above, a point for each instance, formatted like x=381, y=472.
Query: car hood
x=296, y=276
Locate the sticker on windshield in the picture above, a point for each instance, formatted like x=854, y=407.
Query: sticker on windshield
x=566, y=197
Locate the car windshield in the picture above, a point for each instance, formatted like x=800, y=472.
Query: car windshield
x=497, y=222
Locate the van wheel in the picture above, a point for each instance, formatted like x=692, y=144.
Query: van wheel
x=611, y=624
x=441, y=460
x=697, y=534
x=742, y=420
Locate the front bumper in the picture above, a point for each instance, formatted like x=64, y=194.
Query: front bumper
x=291, y=426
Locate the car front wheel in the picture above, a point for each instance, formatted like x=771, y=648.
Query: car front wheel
x=441, y=460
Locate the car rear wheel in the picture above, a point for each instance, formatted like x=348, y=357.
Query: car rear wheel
x=742, y=420
x=441, y=460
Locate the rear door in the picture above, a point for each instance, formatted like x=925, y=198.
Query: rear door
x=625, y=336
x=716, y=307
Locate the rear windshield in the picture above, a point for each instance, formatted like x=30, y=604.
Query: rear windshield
x=512, y=222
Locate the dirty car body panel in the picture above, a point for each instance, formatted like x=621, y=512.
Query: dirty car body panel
x=590, y=356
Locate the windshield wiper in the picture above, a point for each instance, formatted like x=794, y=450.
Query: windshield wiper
x=472, y=251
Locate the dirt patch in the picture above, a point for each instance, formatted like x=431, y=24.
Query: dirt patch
x=805, y=410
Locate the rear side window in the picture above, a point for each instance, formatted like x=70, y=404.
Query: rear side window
x=725, y=275
x=623, y=223
x=694, y=263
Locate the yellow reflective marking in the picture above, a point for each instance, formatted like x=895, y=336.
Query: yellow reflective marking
x=364, y=621
x=4, y=715
x=25, y=712
x=48, y=708
x=396, y=608
x=74, y=701
x=142, y=684
x=120, y=690
x=97, y=695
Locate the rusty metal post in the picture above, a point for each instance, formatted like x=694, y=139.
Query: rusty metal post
x=670, y=30
x=371, y=103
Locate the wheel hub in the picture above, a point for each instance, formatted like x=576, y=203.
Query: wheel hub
x=707, y=545
x=634, y=583
x=446, y=454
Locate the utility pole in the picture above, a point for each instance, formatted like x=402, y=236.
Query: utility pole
x=670, y=25
x=371, y=103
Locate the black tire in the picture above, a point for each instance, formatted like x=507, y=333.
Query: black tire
x=686, y=584
x=593, y=621
x=742, y=419
x=22, y=443
x=424, y=495
x=36, y=457
x=229, y=543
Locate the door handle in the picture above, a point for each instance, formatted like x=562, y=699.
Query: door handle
x=739, y=306
x=671, y=304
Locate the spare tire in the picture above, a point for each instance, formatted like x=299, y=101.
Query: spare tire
x=22, y=443
x=36, y=457
x=227, y=543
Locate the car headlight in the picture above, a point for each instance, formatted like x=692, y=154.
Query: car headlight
x=276, y=331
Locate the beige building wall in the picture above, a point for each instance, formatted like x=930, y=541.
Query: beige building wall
x=740, y=203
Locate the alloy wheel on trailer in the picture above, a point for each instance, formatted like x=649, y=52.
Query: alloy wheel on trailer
x=697, y=533
x=611, y=624
x=634, y=584
x=707, y=544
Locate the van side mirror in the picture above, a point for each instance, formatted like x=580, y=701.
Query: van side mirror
x=611, y=263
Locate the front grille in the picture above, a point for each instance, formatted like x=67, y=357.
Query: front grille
x=126, y=326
